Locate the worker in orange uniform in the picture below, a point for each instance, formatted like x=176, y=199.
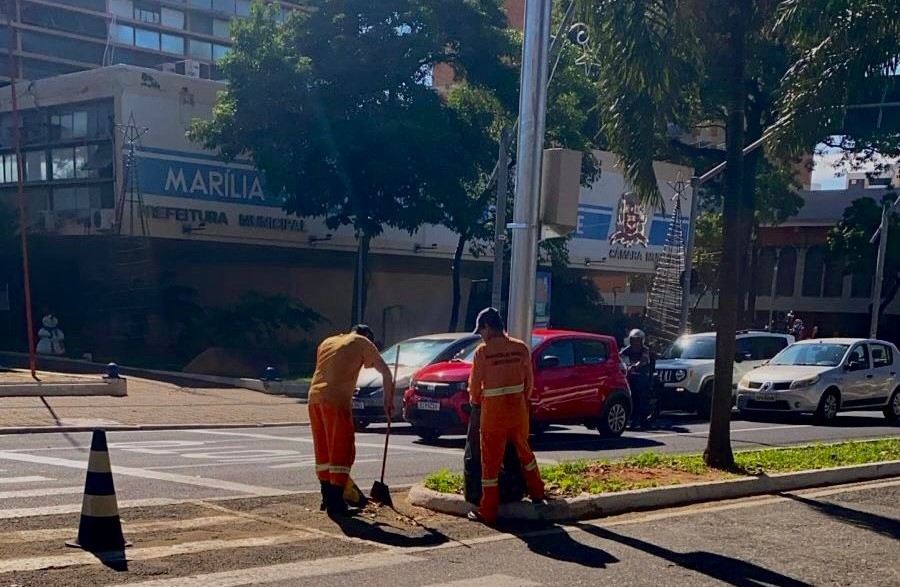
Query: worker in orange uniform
x=501, y=382
x=339, y=360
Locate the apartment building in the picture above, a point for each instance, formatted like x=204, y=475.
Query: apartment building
x=53, y=37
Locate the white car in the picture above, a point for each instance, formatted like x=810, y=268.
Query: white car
x=415, y=353
x=686, y=369
x=825, y=376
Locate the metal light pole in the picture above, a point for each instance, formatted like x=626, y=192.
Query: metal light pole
x=529, y=157
x=689, y=260
x=879, y=265
x=500, y=220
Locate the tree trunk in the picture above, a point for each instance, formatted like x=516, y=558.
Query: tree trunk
x=736, y=219
x=457, y=295
x=360, y=282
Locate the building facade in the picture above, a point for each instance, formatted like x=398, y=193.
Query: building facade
x=216, y=230
x=54, y=37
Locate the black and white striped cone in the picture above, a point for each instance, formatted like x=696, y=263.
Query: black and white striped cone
x=100, y=529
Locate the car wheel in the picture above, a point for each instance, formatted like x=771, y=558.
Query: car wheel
x=360, y=425
x=614, y=419
x=427, y=434
x=704, y=401
x=828, y=407
x=892, y=411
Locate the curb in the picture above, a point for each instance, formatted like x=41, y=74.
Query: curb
x=286, y=388
x=609, y=504
x=101, y=387
x=142, y=427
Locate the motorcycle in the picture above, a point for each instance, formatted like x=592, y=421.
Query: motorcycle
x=649, y=384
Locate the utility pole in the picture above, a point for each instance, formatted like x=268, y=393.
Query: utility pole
x=529, y=158
x=886, y=212
x=500, y=220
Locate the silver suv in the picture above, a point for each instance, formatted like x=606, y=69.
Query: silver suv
x=686, y=369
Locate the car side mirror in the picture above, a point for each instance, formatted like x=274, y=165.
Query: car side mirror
x=854, y=365
x=738, y=357
x=549, y=362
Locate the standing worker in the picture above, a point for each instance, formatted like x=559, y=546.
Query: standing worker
x=339, y=360
x=501, y=382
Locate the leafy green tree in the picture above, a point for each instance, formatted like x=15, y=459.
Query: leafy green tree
x=849, y=240
x=335, y=108
x=849, y=53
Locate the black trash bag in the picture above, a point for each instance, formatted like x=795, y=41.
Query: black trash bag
x=511, y=480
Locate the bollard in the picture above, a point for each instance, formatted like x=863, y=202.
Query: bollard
x=112, y=371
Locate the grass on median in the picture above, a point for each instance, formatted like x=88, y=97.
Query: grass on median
x=652, y=469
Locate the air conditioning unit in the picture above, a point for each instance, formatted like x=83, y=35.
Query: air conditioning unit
x=103, y=219
x=188, y=67
x=167, y=67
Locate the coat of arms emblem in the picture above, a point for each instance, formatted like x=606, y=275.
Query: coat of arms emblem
x=631, y=221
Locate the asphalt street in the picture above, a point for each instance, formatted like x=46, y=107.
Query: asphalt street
x=41, y=471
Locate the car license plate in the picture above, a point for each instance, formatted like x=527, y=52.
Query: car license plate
x=429, y=406
x=765, y=397
x=358, y=406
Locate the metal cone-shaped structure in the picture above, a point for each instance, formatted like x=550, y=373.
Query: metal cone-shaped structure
x=665, y=299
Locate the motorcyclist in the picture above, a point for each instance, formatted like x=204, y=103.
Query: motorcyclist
x=639, y=360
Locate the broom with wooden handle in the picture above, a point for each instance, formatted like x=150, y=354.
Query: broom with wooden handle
x=381, y=493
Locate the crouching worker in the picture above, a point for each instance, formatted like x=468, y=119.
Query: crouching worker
x=339, y=360
x=501, y=382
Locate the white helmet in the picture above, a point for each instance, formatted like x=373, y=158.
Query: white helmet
x=636, y=333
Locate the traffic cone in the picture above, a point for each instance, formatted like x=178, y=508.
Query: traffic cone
x=100, y=529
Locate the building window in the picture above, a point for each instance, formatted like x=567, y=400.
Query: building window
x=146, y=39
x=833, y=286
x=813, y=272
x=122, y=8
x=200, y=23
x=172, y=18
x=222, y=28
x=124, y=34
x=36, y=166
x=10, y=168
x=226, y=6
x=71, y=125
x=200, y=49
x=861, y=286
x=63, y=163
x=207, y=4
x=787, y=268
x=220, y=51
x=766, y=270
x=242, y=7
x=149, y=14
x=172, y=44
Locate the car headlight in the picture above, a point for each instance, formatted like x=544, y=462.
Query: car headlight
x=808, y=382
x=744, y=382
x=680, y=375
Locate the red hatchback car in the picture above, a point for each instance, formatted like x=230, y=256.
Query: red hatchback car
x=578, y=379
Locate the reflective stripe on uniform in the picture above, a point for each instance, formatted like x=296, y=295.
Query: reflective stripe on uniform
x=489, y=483
x=339, y=470
x=509, y=390
x=323, y=467
x=531, y=466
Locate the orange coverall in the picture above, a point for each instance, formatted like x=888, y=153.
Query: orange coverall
x=501, y=382
x=339, y=360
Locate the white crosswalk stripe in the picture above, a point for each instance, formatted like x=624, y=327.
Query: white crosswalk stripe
x=488, y=581
x=25, y=479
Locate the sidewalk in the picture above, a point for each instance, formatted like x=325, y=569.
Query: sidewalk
x=152, y=403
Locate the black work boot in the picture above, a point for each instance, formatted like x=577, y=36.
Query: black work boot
x=324, y=504
x=334, y=502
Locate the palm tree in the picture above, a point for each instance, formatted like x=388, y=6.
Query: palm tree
x=848, y=64
x=652, y=56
